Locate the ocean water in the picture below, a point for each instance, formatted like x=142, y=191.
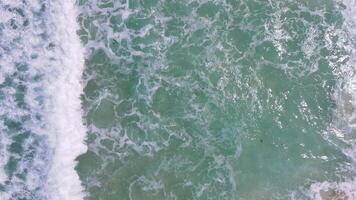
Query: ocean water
x=178, y=99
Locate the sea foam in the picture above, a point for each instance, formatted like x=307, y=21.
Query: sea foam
x=344, y=125
x=64, y=115
x=41, y=64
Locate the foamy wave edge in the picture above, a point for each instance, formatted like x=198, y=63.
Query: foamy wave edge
x=345, y=97
x=63, y=108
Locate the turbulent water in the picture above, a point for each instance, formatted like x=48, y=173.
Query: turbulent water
x=177, y=99
x=41, y=64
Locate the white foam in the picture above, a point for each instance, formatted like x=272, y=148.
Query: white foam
x=346, y=94
x=59, y=89
x=4, y=156
x=15, y=48
x=63, y=107
x=333, y=190
x=345, y=114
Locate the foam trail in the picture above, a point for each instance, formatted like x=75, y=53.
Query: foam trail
x=345, y=115
x=333, y=190
x=346, y=94
x=64, y=107
x=41, y=128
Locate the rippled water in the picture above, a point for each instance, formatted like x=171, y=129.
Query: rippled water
x=188, y=99
x=216, y=99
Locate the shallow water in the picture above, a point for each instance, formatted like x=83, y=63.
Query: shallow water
x=189, y=99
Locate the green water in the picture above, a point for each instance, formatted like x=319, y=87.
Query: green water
x=225, y=99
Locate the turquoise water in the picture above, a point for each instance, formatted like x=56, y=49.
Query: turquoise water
x=168, y=99
x=211, y=99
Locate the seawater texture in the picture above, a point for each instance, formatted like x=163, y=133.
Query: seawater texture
x=198, y=99
x=182, y=99
x=41, y=64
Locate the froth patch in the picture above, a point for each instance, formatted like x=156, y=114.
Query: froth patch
x=345, y=122
x=64, y=106
x=345, y=96
x=333, y=190
x=4, y=156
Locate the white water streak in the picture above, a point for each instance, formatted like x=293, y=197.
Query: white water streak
x=64, y=113
x=346, y=112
